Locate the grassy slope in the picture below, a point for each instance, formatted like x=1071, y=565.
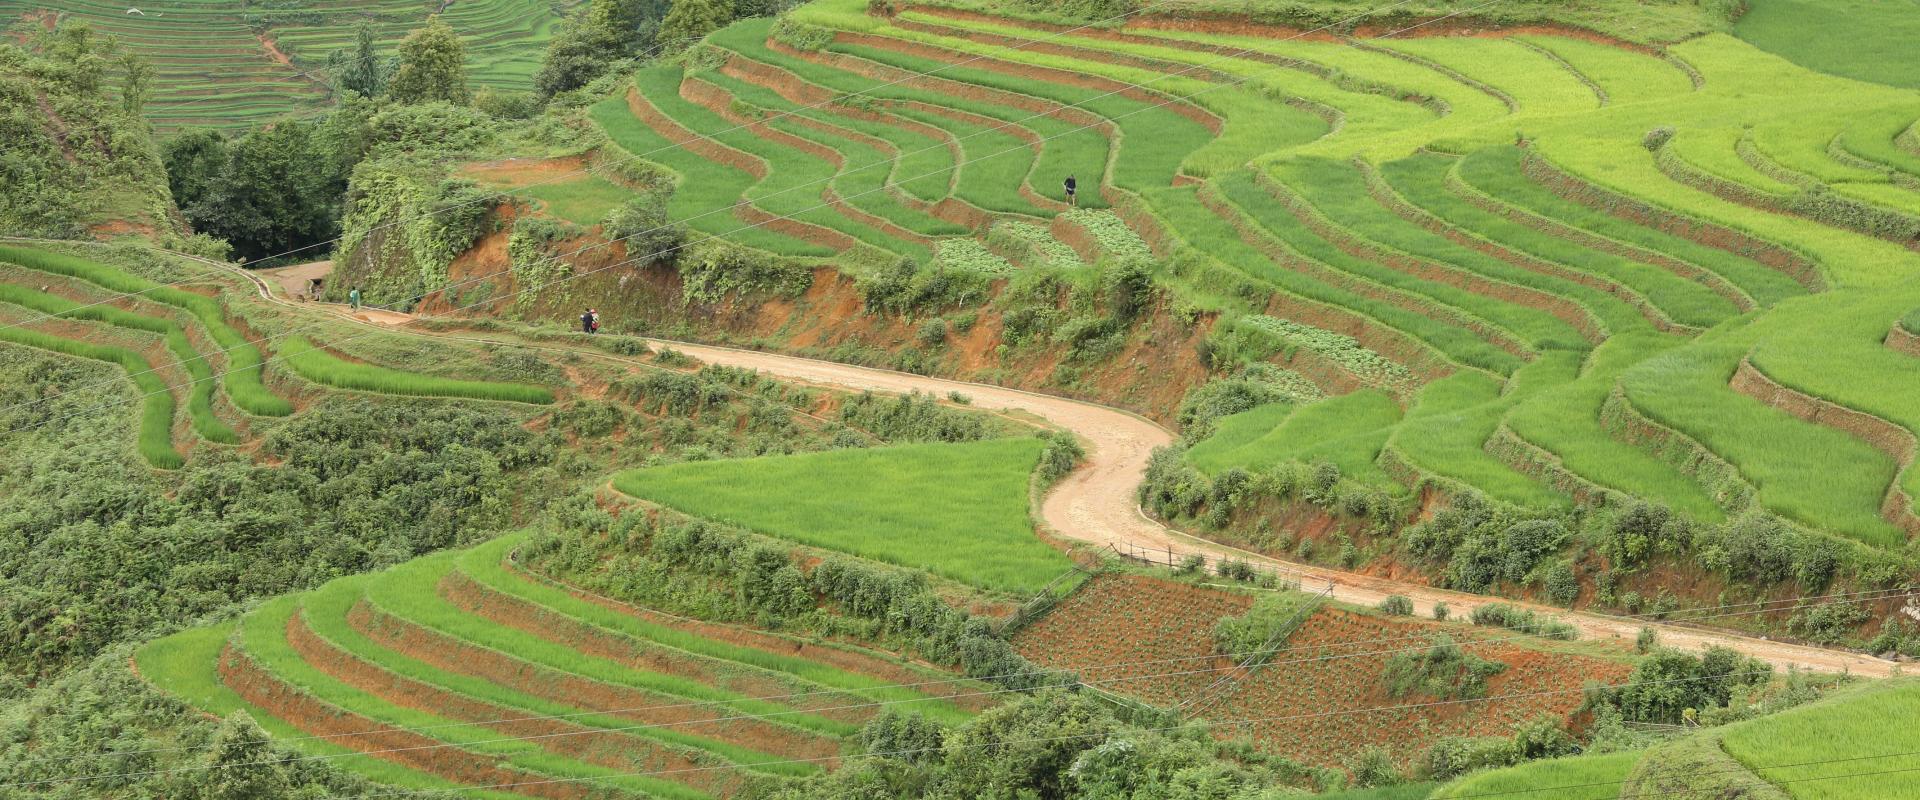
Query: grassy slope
x=956, y=510
x=1871, y=40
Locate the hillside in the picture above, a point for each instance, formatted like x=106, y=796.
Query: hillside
x=959, y=400
x=77, y=157
x=1534, y=265
x=231, y=64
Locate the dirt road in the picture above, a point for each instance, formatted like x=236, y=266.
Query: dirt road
x=1096, y=503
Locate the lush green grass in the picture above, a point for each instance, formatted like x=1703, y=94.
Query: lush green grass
x=1346, y=431
x=1871, y=40
x=410, y=593
x=199, y=393
x=582, y=201
x=1496, y=171
x=316, y=364
x=1422, y=180
x=1576, y=778
x=1243, y=191
x=706, y=188
x=245, y=364
x=1868, y=721
x=262, y=636
x=182, y=665
x=955, y=510
x=155, y=438
x=326, y=609
x=1446, y=431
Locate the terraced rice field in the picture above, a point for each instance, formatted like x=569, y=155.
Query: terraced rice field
x=463, y=669
x=1547, y=267
x=225, y=64
x=1330, y=665
x=182, y=349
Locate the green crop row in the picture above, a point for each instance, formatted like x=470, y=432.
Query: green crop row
x=183, y=665
x=199, y=393
x=1422, y=180
x=315, y=364
x=263, y=638
x=410, y=592
x=325, y=611
x=243, y=379
x=155, y=440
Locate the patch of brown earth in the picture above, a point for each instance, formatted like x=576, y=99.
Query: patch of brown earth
x=523, y=171
x=1903, y=341
x=711, y=720
x=287, y=702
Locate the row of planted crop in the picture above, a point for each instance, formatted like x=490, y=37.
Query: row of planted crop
x=476, y=658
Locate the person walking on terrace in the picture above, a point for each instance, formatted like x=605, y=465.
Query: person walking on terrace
x=1073, y=187
x=353, y=298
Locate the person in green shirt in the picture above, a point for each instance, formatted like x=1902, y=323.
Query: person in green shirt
x=353, y=298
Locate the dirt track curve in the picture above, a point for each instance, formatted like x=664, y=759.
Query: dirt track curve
x=1096, y=503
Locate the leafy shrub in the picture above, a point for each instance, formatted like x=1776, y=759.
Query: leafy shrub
x=643, y=224
x=1256, y=635
x=1062, y=453
x=1657, y=138
x=1255, y=385
x=1398, y=605
x=1502, y=615
x=1441, y=610
x=1443, y=671
x=712, y=270
x=1562, y=585
x=1668, y=683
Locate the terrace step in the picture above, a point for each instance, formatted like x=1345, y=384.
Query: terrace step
x=1794, y=265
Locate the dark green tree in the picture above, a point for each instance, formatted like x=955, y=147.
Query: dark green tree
x=280, y=189
x=361, y=71
x=432, y=66
x=239, y=764
x=593, y=38
x=194, y=159
x=691, y=19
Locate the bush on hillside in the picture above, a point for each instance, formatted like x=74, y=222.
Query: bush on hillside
x=1501, y=615
x=1442, y=671
x=1256, y=635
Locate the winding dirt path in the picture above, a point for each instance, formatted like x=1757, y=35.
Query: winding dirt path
x=1096, y=503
